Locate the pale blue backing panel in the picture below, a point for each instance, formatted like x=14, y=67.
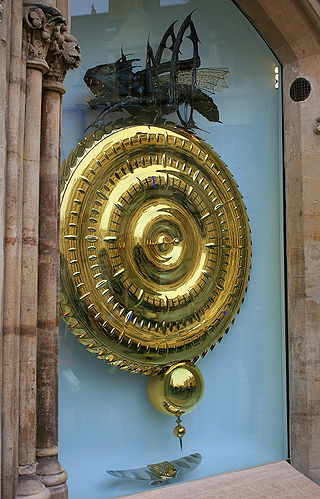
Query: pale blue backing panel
x=106, y=421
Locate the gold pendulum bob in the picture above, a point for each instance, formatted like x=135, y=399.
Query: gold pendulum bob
x=176, y=392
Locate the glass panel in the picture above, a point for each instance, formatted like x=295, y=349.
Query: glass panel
x=106, y=419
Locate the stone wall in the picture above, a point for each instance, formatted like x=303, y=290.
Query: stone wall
x=292, y=30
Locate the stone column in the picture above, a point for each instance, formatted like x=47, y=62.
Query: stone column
x=46, y=43
x=49, y=469
x=36, y=47
x=12, y=120
x=29, y=484
x=3, y=156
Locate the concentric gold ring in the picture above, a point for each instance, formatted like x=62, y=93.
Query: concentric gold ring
x=155, y=247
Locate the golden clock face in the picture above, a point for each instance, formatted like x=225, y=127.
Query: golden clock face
x=155, y=247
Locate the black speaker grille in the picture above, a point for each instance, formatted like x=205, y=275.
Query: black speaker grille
x=300, y=90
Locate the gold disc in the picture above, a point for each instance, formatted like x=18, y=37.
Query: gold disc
x=155, y=247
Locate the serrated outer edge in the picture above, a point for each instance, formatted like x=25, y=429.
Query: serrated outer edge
x=118, y=361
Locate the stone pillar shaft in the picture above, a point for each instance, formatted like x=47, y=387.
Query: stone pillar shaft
x=28, y=335
x=48, y=271
x=13, y=62
x=29, y=484
x=49, y=469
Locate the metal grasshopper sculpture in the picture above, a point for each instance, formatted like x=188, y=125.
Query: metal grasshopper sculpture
x=162, y=87
x=161, y=473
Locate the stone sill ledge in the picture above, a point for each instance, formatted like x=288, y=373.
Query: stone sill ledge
x=270, y=481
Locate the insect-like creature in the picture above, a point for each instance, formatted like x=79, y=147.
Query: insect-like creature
x=163, y=86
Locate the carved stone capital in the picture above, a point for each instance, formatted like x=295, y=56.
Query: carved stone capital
x=50, y=47
x=63, y=54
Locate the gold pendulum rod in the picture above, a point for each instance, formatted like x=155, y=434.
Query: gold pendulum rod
x=179, y=430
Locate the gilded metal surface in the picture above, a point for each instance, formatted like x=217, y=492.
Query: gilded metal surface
x=155, y=247
x=179, y=431
x=163, y=472
x=178, y=390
